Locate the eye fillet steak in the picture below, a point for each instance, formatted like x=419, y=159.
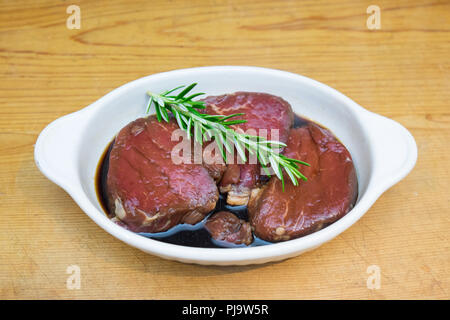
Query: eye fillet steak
x=146, y=190
x=262, y=111
x=329, y=193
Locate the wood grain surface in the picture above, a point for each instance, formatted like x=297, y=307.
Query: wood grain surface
x=400, y=71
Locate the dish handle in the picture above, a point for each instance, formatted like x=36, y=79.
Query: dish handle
x=394, y=150
x=57, y=148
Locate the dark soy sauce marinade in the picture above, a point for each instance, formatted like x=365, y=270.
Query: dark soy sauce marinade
x=185, y=234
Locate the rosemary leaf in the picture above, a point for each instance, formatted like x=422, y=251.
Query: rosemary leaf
x=158, y=112
x=186, y=90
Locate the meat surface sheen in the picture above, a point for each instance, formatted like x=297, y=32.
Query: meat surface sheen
x=262, y=111
x=225, y=226
x=329, y=193
x=146, y=190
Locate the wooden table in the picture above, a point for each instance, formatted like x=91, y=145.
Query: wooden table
x=400, y=71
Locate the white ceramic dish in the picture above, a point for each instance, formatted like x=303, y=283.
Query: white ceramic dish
x=68, y=150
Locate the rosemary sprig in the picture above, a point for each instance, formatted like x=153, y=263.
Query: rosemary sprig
x=204, y=126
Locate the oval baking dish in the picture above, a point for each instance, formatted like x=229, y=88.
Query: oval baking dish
x=68, y=150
